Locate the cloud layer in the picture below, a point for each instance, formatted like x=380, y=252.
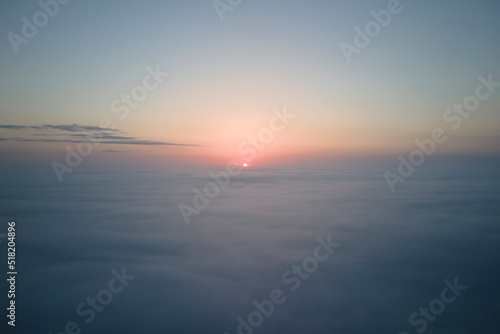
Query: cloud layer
x=396, y=249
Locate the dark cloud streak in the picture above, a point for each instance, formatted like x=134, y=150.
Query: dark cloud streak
x=128, y=142
x=91, y=133
x=69, y=128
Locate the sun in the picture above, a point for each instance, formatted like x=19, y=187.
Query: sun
x=245, y=164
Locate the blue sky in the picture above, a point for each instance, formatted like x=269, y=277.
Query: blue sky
x=263, y=55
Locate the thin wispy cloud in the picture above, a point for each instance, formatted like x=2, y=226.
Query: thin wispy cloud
x=86, y=132
x=69, y=128
x=104, y=136
x=125, y=142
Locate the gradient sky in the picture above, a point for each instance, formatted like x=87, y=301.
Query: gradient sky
x=227, y=76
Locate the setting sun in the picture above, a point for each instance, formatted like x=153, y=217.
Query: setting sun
x=245, y=165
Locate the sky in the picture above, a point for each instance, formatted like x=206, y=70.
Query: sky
x=304, y=92
x=225, y=78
